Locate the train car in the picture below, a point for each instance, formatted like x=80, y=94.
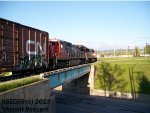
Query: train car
x=89, y=55
x=77, y=55
x=22, y=47
x=92, y=56
x=63, y=54
x=84, y=50
x=58, y=53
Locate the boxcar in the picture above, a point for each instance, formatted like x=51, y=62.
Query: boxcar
x=22, y=47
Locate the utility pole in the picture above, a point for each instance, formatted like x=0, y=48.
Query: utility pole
x=146, y=49
x=128, y=51
x=114, y=53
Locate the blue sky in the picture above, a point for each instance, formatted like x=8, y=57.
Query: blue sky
x=98, y=25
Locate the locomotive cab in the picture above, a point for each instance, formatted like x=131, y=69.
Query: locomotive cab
x=58, y=53
x=54, y=50
x=54, y=47
x=93, y=55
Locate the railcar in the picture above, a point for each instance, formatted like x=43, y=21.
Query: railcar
x=22, y=47
x=63, y=54
x=89, y=55
x=92, y=55
x=84, y=49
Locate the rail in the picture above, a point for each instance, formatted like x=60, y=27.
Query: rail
x=45, y=74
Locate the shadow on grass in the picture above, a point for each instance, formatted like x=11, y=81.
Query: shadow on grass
x=139, y=84
x=110, y=78
x=144, y=84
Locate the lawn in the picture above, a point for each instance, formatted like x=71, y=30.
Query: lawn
x=136, y=73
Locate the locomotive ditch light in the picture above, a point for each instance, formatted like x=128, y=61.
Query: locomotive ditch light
x=94, y=54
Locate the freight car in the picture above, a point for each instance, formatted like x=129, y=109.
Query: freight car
x=25, y=48
x=22, y=47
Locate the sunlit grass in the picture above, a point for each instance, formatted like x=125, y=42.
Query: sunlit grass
x=5, y=86
x=140, y=67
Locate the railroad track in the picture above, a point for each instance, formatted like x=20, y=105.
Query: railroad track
x=22, y=74
x=15, y=76
x=34, y=72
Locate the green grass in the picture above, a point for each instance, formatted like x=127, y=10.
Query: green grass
x=5, y=86
x=141, y=73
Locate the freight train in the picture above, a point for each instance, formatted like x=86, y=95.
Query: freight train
x=26, y=48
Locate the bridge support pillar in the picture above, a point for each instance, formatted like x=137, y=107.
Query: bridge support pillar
x=82, y=85
x=91, y=79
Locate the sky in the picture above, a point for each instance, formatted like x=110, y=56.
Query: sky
x=99, y=25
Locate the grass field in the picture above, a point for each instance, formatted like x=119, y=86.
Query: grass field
x=136, y=73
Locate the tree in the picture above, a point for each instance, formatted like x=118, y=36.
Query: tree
x=147, y=49
x=136, y=52
x=110, y=77
x=102, y=55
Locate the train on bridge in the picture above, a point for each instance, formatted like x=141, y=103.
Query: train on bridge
x=25, y=48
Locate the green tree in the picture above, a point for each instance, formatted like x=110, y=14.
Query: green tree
x=110, y=77
x=102, y=55
x=147, y=49
x=137, y=52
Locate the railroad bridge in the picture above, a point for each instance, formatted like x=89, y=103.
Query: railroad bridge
x=77, y=79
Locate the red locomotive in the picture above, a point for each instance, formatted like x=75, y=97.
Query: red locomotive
x=27, y=48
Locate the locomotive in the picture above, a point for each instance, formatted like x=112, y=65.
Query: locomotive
x=26, y=48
